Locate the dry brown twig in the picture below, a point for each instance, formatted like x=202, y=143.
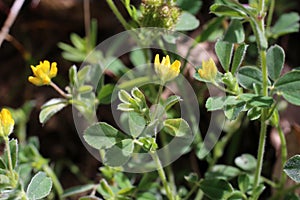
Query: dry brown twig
x=13, y=13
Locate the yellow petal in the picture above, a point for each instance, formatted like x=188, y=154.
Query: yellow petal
x=6, y=117
x=167, y=62
x=33, y=70
x=35, y=81
x=45, y=66
x=176, y=66
x=163, y=61
x=156, y=60
x=53, y=70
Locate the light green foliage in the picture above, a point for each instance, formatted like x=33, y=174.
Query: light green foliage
x=149, y=121
x=289, y=86
x=50, y=108
x=287, y=23
x=275, y=61
x=235, y=32
x=39, y=186
x=292, y=168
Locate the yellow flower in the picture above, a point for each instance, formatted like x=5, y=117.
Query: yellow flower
x=209, y=70
x=43, y=73
x=165, y=70
x=6, y=123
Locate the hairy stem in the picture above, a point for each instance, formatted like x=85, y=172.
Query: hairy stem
x=283, y=155
x=162, y=175
x=264, y=114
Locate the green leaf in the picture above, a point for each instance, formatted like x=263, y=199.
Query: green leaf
x=85, y=89
x=215, y=103
x=209, y=29
x=248, y=75
x=246, y=162
x=232, y=111
x=94, y=31
x=105, y=190
x=287, y=23
x=39, y=186
x=102, y=135
x=222, y=172
x=171, y=101
x=50, y=108
x=146, y=196
x=77, y=190
x=149, y=143
x=292, y=168
x=187, y=22
x=190, y=6
x=115, y=65
x=126, y=191
x=24, y=171
x=254, y=113
x=119, y=154
x=216, y=188
x=89, y=198
x=275, y=61
x=78, y=42
x=260, y=101
x=244, y=182
x=224, y=52
x=289, y=86
x=123, y=181
x=4, y=180
x=13, y=145
x=263, y=43
x=137, y=57
x=73, y=76
x=257, y=192
x=238, y=57
x=176, y=127
x=237, y=195
x=227, y=10
x=105, y=94
x=192, y=178
x=235, y=32
x=83, y=74
x=136, y=123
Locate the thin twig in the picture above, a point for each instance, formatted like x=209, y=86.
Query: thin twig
x=14, y=11
x=25, y=54
x=87, y=21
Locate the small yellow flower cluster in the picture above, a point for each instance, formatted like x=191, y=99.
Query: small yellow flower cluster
x=209, y=70
x=43, y=73
x=165, y=70
x=6, y=123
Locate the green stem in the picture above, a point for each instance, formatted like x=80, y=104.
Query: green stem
x=55, y=180
x=162, y=175
x=194, y=188
x=270, y=15
x=117, y=13
x=263, y=128
x=261, y=7
x=264, y=114
x=10, y=166
x=261, y=149
x=169, y=170
x=283, y=156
